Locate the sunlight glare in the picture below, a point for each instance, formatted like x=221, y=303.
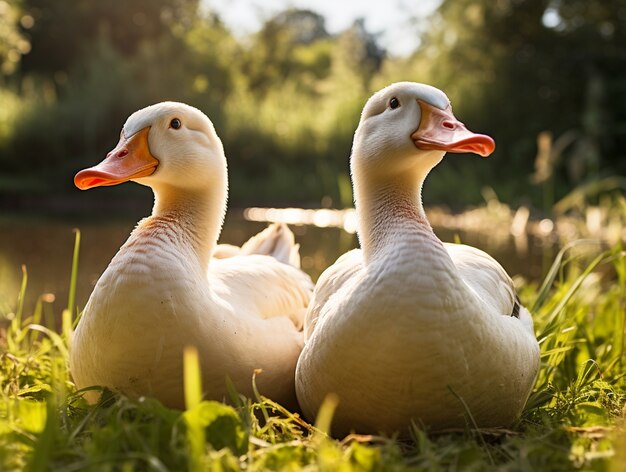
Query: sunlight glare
x=321, y=218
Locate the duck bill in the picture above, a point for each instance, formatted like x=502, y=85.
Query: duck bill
x=439, y=130
x=131, y=159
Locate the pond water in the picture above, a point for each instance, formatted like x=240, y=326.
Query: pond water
x=45, y=248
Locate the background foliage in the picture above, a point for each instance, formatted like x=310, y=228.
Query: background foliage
x=286, y=100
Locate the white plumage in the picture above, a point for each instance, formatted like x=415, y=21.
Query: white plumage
x=164, y=291
x=408, y=328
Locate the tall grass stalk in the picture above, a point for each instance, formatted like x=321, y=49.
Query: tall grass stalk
x=193, y=399
x=71, y=298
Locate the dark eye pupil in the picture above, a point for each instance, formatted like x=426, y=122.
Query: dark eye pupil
x=175, y=123
x=394, y=102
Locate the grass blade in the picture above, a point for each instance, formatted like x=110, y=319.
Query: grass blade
x=193, y=380
x=326, y=412
x=556, y=311
x=544, y=290
x=193, y=398
x=19, y=313
x=71, y=298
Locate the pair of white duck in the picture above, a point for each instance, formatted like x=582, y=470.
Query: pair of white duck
x=408, y=328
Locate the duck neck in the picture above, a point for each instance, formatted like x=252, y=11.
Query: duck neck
x=196, y=215
x=390, y=212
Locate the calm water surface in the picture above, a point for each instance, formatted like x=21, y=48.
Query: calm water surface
x=45, y=248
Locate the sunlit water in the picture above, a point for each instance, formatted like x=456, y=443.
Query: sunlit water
x=45, y=248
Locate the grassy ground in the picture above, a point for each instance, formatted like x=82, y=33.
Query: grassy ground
x=573, y=420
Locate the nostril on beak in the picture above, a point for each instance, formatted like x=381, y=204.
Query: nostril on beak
x=449, y=124
x=122, y=153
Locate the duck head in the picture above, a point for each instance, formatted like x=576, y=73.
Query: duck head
x=407, y=128
x=168, y=144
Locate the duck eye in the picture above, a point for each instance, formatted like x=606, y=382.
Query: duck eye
x=175, y=123
x=394, y=103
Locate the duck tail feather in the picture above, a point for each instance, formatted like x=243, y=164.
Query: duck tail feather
x=278, y=241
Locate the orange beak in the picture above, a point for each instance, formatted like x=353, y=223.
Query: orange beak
x=131, y=159
x=440, y=130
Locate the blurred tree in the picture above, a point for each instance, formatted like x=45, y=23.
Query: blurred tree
x=13, y=43
x=287, y=99
x=595, y=35
x=293, y=43
x=304, y=26
x=64, y=30
x=101, y=88
x=519, y=67
x=359, y=51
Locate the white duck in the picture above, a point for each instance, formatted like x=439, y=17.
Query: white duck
x=408, y=328
x=155, y=297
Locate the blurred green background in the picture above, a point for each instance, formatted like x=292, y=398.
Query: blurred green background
x=286, y=99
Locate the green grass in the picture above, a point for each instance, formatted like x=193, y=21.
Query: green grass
x=573, y=420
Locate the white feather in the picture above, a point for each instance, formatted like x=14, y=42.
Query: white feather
x=155, y=297
x=409, y=329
